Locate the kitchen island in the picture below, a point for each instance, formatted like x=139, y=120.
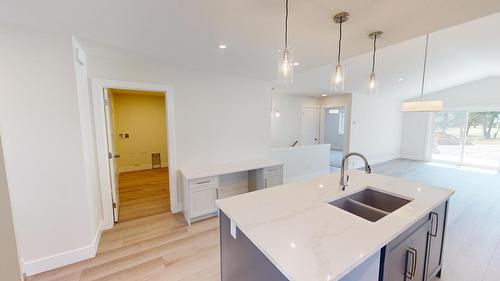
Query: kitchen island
x=295, y=231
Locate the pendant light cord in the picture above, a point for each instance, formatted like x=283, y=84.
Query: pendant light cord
x=286, y=24
x=374, y=51
x=425, y=67
x=340, y=42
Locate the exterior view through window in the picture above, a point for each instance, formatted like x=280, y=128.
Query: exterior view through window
x=469, y=138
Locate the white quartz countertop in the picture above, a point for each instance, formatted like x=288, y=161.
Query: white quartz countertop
x=227, y=168
x=308, y=239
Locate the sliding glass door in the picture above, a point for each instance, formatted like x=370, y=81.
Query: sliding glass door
x=469, y=138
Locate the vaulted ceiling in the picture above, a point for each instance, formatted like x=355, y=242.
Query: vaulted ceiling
x=186, y=32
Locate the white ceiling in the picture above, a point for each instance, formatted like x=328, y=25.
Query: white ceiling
x=457, y=55
x=186, y=32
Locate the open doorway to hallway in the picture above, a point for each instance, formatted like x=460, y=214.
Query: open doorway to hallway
x=137, y=140
x=334, y=133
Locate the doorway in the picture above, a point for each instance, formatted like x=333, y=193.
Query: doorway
x=334, y=133
x=137, y=129
x=469, y=138
x=309, y=125
x=141, y=181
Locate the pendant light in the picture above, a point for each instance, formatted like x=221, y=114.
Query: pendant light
x=338, y=73
x=372, y=79
x=285, y=70
x=423, y=105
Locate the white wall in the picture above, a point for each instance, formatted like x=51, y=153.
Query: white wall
x=219, y=118
x=482, y=94
x=285, y=129
x=47, y=122
x=44, y=152
x=88, y=137
x=375, y=128
x=303, y=162
x=9, y=258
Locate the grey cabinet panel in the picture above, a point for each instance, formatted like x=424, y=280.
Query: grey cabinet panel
x=405, y=259
x=241, y=260
x=436, y=237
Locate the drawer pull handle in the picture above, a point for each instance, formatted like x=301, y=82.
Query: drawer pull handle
x=202, y=182
x=413, y=270
x=434, y=233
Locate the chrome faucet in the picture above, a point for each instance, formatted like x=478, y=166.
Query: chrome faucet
x=344, y=181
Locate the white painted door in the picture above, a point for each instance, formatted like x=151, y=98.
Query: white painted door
x=309, y=126
x=113, y=170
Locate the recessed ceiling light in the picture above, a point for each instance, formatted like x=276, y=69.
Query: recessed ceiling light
x=400, y=80
x=296, y=64
x=222, y=46
x=324, y=95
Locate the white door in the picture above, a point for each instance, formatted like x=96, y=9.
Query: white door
x=309, y=126
x=113, y=171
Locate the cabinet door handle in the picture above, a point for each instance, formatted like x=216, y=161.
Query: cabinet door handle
x=216, y=193
x=265, y=183
x=434, y=230
x=202, y=182
x=413, y=254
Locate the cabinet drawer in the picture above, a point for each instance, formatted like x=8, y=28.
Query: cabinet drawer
x=272, y=170
x=203, y=182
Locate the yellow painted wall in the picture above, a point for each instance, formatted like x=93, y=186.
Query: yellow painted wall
x=142, y=115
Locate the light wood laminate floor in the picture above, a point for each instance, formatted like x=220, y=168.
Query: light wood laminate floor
x=143, y=193
x=163, y=247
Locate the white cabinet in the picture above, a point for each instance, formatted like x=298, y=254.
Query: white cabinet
x=203, y=201
x=201, y=188
x=273, y=180
x=199, y=198
x=265, y=177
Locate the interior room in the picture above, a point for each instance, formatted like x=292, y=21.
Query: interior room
x=138, y=130
x=250, y=140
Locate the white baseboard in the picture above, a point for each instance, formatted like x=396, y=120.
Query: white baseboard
x=308, y=176
x=62, y=259
x=139, y=168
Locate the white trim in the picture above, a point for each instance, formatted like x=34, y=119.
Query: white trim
x=65, y=258
x=97, y=86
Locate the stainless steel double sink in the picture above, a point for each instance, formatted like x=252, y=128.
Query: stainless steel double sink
x=370, y=204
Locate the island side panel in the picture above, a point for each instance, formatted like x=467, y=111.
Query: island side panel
x=241, y=260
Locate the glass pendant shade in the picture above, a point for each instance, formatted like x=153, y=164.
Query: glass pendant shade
x=285, y=66
x=372, y=84
x=337, y=79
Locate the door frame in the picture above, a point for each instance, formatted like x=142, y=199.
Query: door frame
x=301, y=119
x=98, y=85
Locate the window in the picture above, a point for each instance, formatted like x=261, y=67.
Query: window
x=470, y=138
x=341, y=122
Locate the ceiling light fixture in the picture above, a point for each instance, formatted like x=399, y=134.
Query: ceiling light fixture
x=423, y=105
x=400, y=80
x=372, y=79
x=222, y=46
x=338, y=73
x=285, y=70
x=296, y=64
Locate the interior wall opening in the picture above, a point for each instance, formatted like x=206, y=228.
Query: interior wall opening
x=138, y=145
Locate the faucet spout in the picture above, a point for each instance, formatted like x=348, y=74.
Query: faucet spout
x=344, y=180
